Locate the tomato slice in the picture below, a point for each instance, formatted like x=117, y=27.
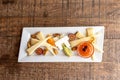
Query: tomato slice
x=85, y=49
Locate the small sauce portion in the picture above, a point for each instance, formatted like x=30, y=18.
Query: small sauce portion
x=85, y=49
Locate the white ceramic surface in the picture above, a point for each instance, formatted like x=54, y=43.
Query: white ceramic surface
x=27, y=31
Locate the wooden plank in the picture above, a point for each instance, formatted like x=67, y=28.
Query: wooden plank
x=48, y=10
x=20, y=22
x=74, y=10
x=75, y=1
x=77, y=21
x=12, y=26
x=9, y=25
x=110, y=31
x=50, y=1
x=84, y=22
x=114, y=6
x=3, y=53
x=118, y=71
x=3, y=22
x=3, y=9
x=28, y=8
x=3, y=26
x=3, y=40
x=66, y=74
x=9, y=48
x=117, y=28
x=110, y=54
x=87, y=5
x=117, y=51
x=80, y=8
x=5, y=47
x=102, y=7
x=109, y=14
x=80, y=71
x=95, y=13
x=15, y=50
x=27, y=21
x=15, y=8
x=49, y=21
x=16, y=69
x=104, y=71
x=95, y=9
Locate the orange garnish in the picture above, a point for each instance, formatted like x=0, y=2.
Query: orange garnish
x=51, y=41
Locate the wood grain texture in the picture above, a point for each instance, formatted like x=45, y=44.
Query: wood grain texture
x=16, y=14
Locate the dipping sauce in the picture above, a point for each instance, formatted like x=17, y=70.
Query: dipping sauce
x=85, y=49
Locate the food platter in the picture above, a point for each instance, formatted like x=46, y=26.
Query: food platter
x=60, y=57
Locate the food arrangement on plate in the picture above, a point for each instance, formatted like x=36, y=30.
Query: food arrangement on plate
x=84, y=45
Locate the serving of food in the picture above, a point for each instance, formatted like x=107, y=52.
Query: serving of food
x=76, y=44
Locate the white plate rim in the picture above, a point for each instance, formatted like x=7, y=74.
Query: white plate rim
x=34, y=28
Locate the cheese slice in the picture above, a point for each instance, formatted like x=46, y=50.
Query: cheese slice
x=33, y=41
x=40, y=36
x=33, y=48
x=89, y=31
x=61, y=41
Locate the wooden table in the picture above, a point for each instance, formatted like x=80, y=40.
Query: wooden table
x=16, y=14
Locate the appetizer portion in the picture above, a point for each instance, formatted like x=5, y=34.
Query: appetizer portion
x=40, y=44
x=83, y=44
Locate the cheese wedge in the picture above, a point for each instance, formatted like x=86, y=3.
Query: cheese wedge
x=79, y=35
x=89, y=31
x=33, y=41
x=40, y=36
x=31, y=50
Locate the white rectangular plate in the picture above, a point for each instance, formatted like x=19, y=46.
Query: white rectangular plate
x=27, y=31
